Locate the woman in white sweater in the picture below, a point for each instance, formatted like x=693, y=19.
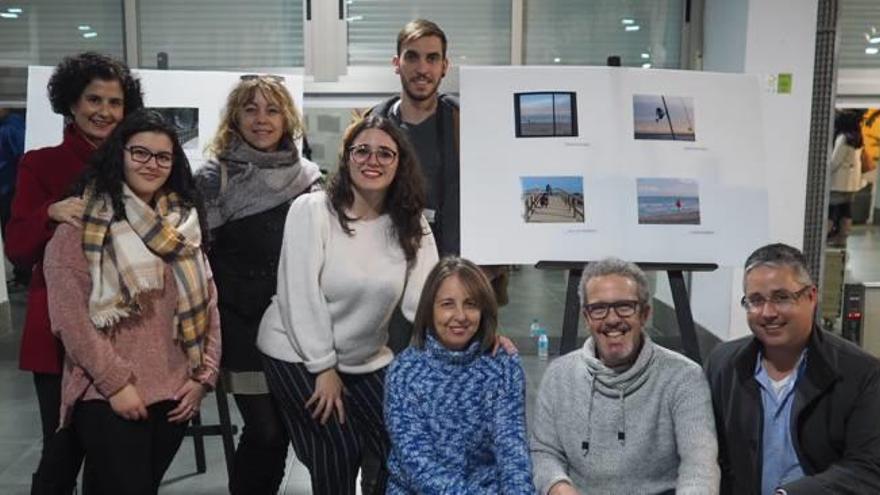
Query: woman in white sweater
x=349, y=256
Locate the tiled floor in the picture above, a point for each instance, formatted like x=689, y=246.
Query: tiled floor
x=533, y=294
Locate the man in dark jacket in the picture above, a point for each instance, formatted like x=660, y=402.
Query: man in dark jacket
x=430, y=120
x=797, y=409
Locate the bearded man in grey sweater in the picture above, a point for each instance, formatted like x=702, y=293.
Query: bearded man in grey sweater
x=622, y=414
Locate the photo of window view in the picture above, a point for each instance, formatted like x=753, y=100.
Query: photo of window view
x=186, y=122
x=553, y=199
x=546, y=114
x=668, y=201
x=667, y=118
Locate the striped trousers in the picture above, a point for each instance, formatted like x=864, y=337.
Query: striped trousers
x=332, y=452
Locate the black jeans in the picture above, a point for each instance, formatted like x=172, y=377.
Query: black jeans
x=262, y=448
x=131, y=456
x=62, y=453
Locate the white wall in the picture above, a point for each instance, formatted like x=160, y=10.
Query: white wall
x=778, y=36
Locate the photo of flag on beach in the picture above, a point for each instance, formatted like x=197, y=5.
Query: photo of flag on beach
x=663, y=117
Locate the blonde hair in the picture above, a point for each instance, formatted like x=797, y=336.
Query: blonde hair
x=273, y=90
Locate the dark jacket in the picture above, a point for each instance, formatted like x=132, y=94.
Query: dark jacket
x=45, y=176
x=447, y=225
x=835, y=417
x=244, y=258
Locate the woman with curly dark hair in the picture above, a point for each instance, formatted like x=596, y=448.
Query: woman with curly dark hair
x=348, y=258
x=131, y=297
x=93, y=92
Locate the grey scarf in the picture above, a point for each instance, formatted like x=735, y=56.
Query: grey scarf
x=255, y=181
x=614, y=384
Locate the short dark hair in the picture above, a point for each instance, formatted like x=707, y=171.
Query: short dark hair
x=417, y=29
x=477, y=286
x=74, y=73
x=780, y=255
x=106, y=168
x=405, y=199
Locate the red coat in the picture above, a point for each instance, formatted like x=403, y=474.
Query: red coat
x=44, y=177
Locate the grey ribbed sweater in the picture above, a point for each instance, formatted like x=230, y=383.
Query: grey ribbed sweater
x=648, y=429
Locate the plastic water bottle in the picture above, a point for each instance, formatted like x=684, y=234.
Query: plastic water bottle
x=543, y=345
x=534, y=328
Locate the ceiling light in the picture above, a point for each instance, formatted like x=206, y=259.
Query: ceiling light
x=874, y=40
x=632, y=28
x=84, y=27
x=14, y=10
x=646, y=55
x=90, y=35
x=557, y=60
x=627, y=21
x=8, y=15
x=872, y=50
x=646, y=66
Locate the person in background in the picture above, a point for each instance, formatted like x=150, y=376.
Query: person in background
x=255, y=174
x=11, y=149
x=846, y=174
x=349, y=257
x=93, y=93
x=455, y=412
x=131, y=297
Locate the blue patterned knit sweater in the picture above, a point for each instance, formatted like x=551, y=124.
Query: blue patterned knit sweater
x=457, y=423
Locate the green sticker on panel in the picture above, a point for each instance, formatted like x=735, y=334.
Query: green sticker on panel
x=783, y=83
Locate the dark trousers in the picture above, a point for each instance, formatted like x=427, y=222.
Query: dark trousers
x=130, y=456
x=262, y=448
x=62, y=454
x=332, y=452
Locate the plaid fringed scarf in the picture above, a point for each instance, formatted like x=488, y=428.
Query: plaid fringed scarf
x=127, y=258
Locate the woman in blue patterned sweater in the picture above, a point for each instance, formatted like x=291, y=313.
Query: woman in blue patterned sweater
x=456, y=413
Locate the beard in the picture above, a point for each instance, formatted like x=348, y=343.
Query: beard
x=407, y=88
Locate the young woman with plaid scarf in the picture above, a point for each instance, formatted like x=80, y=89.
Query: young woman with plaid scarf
x=132, y=299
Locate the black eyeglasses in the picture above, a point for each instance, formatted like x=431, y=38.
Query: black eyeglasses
x=361, y=153
x=143, y=155
x=600, y=311
x=253, y=77
x=780, y=299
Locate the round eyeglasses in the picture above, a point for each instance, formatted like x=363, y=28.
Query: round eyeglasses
x=360, y=154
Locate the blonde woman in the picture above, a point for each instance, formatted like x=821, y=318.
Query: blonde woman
x=254, y=175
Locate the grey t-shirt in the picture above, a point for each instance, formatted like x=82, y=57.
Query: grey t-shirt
x=423, y=137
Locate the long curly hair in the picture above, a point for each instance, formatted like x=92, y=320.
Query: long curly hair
x=243, y=93
x=106, y=168
x=405, y=198
x=74, y=73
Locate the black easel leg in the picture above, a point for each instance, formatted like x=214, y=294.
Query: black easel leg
x=572, y=313
x=683, y=313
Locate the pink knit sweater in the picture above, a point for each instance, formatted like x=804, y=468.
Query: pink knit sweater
x=140, y=350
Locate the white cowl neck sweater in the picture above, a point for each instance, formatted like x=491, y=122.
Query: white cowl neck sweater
x=336, y=292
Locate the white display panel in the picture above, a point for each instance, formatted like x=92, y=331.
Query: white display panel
x=163, y=89
x=685, y=146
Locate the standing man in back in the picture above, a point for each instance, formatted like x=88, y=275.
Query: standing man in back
x=430, y=121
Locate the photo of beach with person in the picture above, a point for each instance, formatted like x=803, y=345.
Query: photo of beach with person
x=663, y=117
x=664, y=201
x=545, y=114
x=553, y=199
